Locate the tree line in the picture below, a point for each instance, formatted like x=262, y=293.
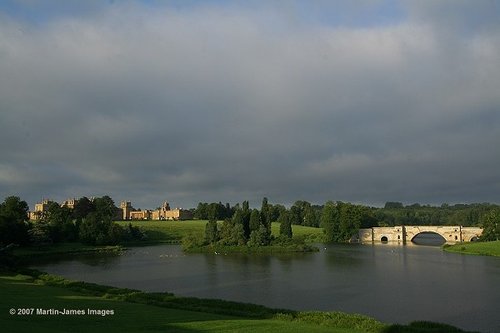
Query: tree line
x=89, y=222
x=341, y=220
x=247, y=226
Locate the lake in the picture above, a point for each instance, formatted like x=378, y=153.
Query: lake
x=393, y=283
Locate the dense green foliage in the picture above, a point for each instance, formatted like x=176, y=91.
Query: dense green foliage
x=285, y=225
x=246, y=230
x=461, y=214
x=341, y=221
x=303, y=213
x=14, y=227
x=90, y=222
x=491, y=224
x=221, y=211
x=211, y=232
x=342, y=224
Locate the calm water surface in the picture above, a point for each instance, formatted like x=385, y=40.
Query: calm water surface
x=391, y=283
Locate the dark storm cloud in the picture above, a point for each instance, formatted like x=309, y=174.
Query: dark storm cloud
x=230, y=104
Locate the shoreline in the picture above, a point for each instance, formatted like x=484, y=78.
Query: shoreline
x=491, y=249
x=262, y=317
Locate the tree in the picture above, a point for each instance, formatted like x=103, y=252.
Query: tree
x=15, y=209
x=254, y=220
x=393, y=205
x=349, y=218
x=95, y=229
x=330, y=221
x=237, y=235
x=98, y=230
x=14, y=221
x=60, y=223
x=275, y=211
x=39, y=234
x=82, y=208
x=211, y=232
x=310, y=217
x=491, y=226
x=201, y=211
x=264, y=214
x=245, y=216
x=225, y=232
x=238, y=219
x=265, y=219
x=296, y=214
x=285, y=225
x=105, y=207
x=259, y=237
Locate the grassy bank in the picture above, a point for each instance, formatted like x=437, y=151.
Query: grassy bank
x=476, y=248
x=125, y=310
x=174, y=231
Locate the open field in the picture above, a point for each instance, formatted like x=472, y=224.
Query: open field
x=174, y=231
x=476, y=248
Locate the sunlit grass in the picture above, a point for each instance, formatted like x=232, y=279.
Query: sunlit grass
x=174, y=231
x=477, y=248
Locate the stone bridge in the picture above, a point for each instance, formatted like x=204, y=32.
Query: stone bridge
x=451, y=234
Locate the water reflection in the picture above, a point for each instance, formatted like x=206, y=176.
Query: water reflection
x=429, y=239
x=393, y=283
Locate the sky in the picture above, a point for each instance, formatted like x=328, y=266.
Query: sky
x=199, y=101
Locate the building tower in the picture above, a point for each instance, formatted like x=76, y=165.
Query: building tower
x=126, y=207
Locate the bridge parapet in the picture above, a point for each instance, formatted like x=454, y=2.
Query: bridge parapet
x=451, y=234
x=382, y=234
x=470, y=234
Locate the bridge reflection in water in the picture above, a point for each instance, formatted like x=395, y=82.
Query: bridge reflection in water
x=428, y=238
x=407, y=234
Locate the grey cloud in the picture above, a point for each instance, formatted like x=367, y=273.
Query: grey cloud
x=204, y=104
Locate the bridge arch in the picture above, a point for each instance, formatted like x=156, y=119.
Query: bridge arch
x=428, y=238
x=450, y=234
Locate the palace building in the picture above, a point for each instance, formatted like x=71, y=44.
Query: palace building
x=40, y=209
x=162, y=213
x=126, y=211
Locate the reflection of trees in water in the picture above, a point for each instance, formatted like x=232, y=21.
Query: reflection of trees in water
x=104, y=260
x=343, y=255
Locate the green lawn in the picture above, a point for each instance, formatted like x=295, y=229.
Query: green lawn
x=174, y=231
x=168, y=231
x=477, y=248
x=22, y=292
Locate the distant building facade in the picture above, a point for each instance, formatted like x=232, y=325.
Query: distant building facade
x=129, y=213
x=125, y=212
x=40, y=209
x=162, y=213
x=70, y=203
